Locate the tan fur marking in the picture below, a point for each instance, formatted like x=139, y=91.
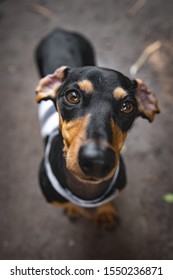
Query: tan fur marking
x=119, y=93
x=86, y=86
x=118, y=137
x=72, y=130
x=60, y=204
x=104, y=215
x=74, y=134
x=74, y=211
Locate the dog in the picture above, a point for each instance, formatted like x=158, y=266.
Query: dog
x=85, y=114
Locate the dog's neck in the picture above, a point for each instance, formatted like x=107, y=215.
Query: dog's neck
x=86, y=190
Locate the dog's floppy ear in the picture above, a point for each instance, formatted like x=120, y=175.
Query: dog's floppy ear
x=147, y=101
x=49, y=85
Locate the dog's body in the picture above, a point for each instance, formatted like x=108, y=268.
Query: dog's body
x=82, y=167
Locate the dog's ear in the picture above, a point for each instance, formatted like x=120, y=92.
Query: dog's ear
x=147, y=101
x=49, y=85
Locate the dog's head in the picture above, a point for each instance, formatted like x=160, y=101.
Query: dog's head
x=96, y=107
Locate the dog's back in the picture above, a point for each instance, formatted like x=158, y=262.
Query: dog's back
x=63, y=48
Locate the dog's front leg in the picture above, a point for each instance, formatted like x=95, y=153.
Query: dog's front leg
x=107, y=216
x=72, y=211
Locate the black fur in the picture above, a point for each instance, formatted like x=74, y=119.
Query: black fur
x=63, y=48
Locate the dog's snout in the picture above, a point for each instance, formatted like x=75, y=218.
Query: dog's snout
x=96, y=160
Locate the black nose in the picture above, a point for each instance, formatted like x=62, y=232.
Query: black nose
x=96, y=160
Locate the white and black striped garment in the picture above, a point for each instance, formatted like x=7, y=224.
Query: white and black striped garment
x=49, y=126
x=48, y=118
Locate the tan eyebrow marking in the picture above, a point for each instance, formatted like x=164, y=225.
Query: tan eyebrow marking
x=86, y=86
x=119, y=93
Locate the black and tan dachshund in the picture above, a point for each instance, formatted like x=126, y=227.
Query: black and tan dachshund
x=85, y=114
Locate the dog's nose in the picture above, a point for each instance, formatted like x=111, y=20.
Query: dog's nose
x=96, y=160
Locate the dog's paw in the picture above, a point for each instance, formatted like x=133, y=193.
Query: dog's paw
x=107, y=217
x=72, y=212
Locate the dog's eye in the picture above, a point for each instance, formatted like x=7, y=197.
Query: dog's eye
x=127, y=107
x=72, y=97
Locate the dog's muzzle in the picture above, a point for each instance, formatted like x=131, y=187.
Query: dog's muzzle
x=96, y=160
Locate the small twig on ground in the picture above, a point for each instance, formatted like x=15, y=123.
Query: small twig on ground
x=38, y=9
x=136, y=8
x=144, y=56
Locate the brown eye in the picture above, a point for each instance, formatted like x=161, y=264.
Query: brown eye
x=127, y=107
x=73, y=97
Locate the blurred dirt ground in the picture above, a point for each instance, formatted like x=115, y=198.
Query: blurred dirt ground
x=29, y=227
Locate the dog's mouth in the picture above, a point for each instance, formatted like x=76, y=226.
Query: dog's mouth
x=86, y=179
x=87, y=187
